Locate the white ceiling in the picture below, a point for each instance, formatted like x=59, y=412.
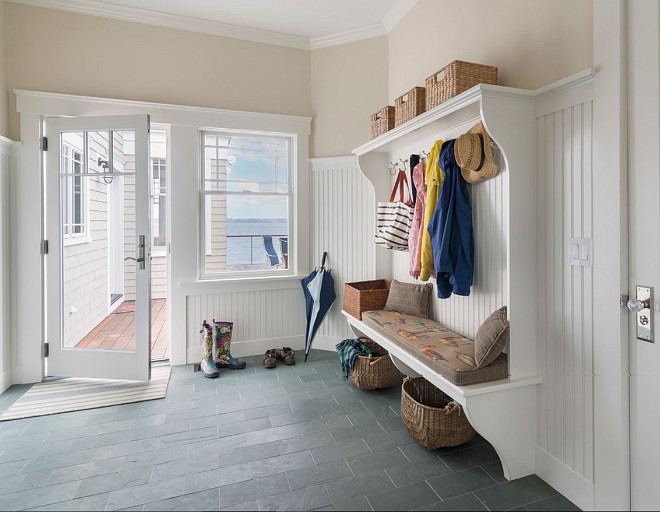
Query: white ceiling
x=297, y=23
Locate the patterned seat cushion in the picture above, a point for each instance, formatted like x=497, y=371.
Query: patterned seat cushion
x=446, y=352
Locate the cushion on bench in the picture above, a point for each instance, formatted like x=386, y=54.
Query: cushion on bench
x=444, y=351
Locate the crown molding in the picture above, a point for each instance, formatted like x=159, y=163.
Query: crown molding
x=125, y=13
x=348, y=36
x=100, y=8
x=400, y=9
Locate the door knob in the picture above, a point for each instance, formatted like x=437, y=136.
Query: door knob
x=636, y=305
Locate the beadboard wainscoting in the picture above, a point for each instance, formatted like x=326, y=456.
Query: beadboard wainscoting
x=8, y=166
x=343, y=224
x=565, y=451
x=490, y=289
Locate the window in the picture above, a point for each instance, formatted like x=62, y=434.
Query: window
x=246, y=203
x=73, y=194
x=159, y=202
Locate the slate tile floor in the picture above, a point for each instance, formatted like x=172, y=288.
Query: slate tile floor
x=292, y=438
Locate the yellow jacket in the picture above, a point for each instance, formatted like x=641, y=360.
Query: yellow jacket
x=434, y=179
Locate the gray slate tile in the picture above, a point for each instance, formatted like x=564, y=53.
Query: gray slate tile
x=494, y=469
x=338, y=451
x=38, y=497
x=142, y=494
x=556, y=502
x=253, y=489
x=354, y=504
x=363, y=484
x=204, y=500
x=92, y=503
x=281, y=464
x=465, y=502
x=114, y=481
x=417, y=471
x=304, y=477
x=404, y=498
x=511, y=494
x=463, y=459
x=87, y=470
x=201, y=481
x=272, y=434
x=461, y=482
x=379, y=460
x=248, y=506
x=308, y=498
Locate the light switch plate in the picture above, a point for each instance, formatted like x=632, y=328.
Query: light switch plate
x=581, y=252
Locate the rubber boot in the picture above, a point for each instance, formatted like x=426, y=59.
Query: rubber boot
x=208, y=367
x=222, y=336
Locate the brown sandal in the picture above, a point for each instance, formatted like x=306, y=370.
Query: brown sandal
x=270, y=358
x=287, y=355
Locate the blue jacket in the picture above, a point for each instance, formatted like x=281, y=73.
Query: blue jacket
x=451, y=230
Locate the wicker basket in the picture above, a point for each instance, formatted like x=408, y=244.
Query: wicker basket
x=455, y=78
x=374, y=372
x=365, y=296
x=409, y=105
x=431, y=417
x=382, y=121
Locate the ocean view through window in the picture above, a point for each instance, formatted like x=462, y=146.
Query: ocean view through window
x=246, y=199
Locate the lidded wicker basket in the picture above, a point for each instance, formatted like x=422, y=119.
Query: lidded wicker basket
x=372, y=372
x=431, y=417
x=382, y=121
x=455, y=78
x=365, y=296
x=409, y=105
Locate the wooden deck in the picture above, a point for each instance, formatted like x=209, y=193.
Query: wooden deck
x=117, y=331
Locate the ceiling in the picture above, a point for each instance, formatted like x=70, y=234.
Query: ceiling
x=308, y=24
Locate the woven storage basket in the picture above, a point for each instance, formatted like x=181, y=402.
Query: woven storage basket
x=431, y=417
x=372, y=372
x=365, y=296
x=409, y=105
x=382, y=121
x=455, y=78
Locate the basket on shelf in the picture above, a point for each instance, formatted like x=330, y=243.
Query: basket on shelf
x=382, y=121
x=456, y=77
x=365, y=296
x=371, y=372
x=409, y=105
x=431, y=417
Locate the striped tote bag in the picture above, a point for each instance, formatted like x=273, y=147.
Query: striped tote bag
x=394, y=218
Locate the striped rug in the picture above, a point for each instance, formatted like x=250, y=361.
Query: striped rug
x=66, y=395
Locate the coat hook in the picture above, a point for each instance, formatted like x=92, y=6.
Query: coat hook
x=393, y=166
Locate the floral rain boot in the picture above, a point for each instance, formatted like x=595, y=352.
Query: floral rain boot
x=208, y=367
x=222, y=336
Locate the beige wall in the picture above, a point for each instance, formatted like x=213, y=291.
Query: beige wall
x=4, y=93
x=59, y=51
x=349, y=83
x=533, y=43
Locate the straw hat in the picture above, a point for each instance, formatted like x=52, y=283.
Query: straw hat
x=474, y=155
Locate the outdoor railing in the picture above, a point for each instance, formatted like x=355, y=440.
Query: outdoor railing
x=276, y=243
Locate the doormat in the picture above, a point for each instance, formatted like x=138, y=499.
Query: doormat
x=128, y=306
x=67, y=395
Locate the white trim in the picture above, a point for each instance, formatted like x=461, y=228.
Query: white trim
x=53, y=104
x=247, y=284
x=5, y=380
x=397, y=13
x=348, y=36
x=565, y=480
x=216, y=28
x=161, y=19
x=332, y=163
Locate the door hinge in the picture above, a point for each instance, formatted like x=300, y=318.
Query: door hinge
x=44, y=247
x=46, y=349
x=44, y=143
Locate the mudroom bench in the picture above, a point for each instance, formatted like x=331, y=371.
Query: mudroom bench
x=502, y=411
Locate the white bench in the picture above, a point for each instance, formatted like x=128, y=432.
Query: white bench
x=503, y=412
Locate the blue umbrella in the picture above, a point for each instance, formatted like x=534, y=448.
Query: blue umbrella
x=319, y=290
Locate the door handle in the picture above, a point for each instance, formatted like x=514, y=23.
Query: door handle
x=642, y=306
x=140, y=259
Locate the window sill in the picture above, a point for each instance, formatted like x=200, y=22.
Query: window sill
x=241, y=284
x=66, y=242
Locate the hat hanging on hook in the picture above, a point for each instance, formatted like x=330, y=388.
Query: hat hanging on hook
x=474, y=155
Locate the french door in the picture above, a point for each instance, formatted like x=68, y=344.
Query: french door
x=98, y=285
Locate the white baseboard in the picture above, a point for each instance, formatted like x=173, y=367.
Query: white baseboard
x=569, y=483
x=257, y=347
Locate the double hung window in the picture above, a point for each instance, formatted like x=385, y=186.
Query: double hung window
x=73, y=194
x=246, y=198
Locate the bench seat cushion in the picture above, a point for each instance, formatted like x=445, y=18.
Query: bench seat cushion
x=444, y=351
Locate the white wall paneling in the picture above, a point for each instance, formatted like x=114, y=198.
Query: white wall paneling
x=343, y=223
x=8, y=165
x=565, y=309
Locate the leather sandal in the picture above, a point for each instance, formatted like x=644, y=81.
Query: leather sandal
x=270, y=358
x=287, y=355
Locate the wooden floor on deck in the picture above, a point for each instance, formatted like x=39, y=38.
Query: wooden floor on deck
x=117, y=331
